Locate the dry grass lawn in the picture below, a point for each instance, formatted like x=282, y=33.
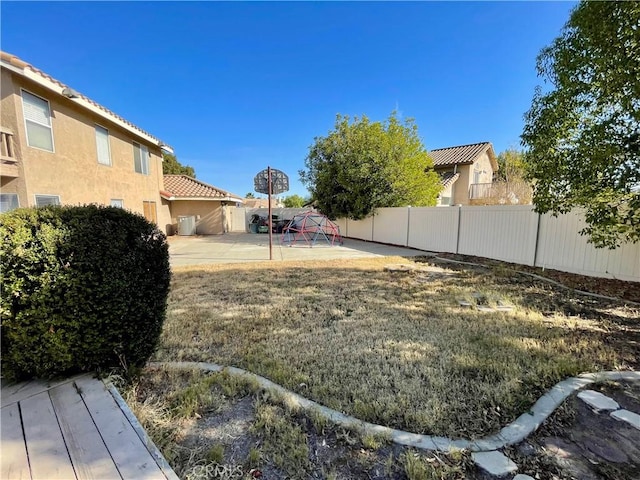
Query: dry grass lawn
x=396, y=348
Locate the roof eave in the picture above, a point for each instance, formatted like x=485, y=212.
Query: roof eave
x=206, y=199
x=492, y=158
x=57, y=88
x=452, y=164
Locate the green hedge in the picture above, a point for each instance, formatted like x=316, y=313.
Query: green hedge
x=83, y=288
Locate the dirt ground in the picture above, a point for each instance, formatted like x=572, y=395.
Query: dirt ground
x=574, y=443
x=603, y=286
x=578, y=443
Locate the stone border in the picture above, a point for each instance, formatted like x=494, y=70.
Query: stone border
x=513, y=433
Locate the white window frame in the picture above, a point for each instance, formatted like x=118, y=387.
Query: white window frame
x=477, y=174
x=97, y=127
x=50, y=126
x=57, y=197
x=117, y=202
x=15, y=195
x=144, y=158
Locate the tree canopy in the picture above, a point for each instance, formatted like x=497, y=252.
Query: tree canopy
x=171, y=166
x=362, y=165
x=511, y=165
x=294, y=201
x=583, y=134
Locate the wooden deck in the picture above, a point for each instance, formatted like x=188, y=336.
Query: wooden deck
x=78, y=428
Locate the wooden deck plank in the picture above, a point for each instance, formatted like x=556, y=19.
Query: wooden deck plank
x=18, y=392
x=144, y=436
x=11, y=388
x=87, y=450
x=14, y=464
x=127, y=450
x=48, y=456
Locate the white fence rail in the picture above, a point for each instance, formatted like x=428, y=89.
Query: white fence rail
x=513, y=233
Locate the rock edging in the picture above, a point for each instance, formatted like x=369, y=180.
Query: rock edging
x=513, y=433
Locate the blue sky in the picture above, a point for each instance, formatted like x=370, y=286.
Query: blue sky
x=236, y=87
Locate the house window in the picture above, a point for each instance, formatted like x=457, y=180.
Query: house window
x=117, y=202
x=102, y=144
x=476, y=176
x=37, y=119
x=141, y=158
x=150, y=211
x=44, y=200
x=8, y=201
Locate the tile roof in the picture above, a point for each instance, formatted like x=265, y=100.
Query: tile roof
x=183, y=186
x=461, y=155
x=256, y=202
x=22, y=65
x=448, y=178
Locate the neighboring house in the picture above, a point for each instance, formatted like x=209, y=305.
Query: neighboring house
x=60, y=147
x=262, y=202
x=188, y=197
x=255, y=202
x=466, y=173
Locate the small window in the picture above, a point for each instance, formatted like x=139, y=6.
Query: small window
x=141, y=158
x=117, y=202
x=37, y=118
x=44, y=200
x=102, y=144
x=8, y=201
x=476, y=176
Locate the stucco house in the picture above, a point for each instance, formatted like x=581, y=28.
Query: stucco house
x=60, y=147
x=189, y=197
x=466, y=172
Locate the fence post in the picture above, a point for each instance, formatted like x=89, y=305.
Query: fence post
x=535, y=247
x=458, y=231
x=408, y=224
x=373, y=231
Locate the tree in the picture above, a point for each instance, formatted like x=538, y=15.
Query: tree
x=171, y=166
x=249, y=195
x=363, y=165
x=583, y=135
x=511, y=165
x=294, y=201
x=510, y=185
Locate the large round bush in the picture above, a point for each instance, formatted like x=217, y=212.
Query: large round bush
x=83, y=288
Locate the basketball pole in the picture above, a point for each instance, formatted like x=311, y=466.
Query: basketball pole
x=270, y=223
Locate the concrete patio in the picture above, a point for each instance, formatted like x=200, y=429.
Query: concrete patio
x=251, y=247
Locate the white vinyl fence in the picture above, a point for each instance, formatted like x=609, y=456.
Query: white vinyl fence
x=513, y=233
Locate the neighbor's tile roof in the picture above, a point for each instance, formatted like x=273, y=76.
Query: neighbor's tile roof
x=461, y=155
x=22, y=65
x=448, y=178
x=256, y=202
x=183, y=186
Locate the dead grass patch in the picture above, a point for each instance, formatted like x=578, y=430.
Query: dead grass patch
x=259, y=435
x=395, y=348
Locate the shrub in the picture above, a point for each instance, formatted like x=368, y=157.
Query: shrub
x=83, y=288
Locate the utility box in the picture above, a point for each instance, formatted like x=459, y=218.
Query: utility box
x=186, y=225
